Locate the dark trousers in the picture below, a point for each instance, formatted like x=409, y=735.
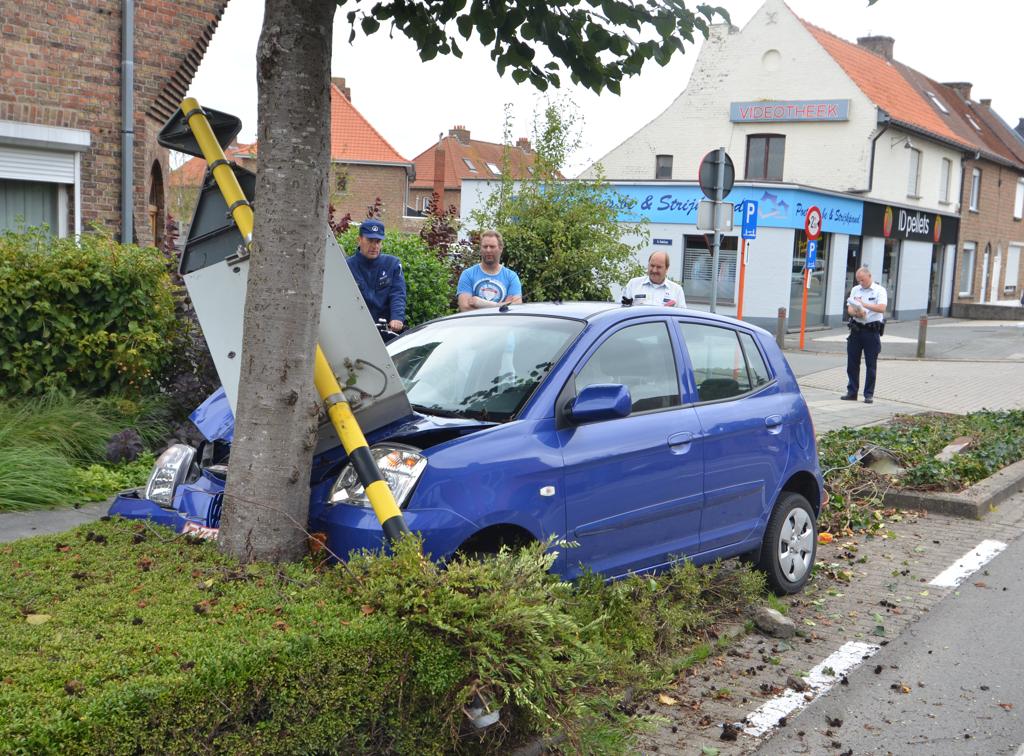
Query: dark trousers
x=869, y=343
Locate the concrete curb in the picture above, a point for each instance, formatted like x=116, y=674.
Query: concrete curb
x=972, y=502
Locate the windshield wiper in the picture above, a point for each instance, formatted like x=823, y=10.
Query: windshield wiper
x=436, y=411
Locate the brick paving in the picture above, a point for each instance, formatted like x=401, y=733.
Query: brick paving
x=890, y=577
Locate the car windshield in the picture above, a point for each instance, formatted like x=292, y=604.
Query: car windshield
x=481, y=367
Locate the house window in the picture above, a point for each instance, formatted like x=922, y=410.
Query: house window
x=975, y=188
x=1012, y=268
x=494, y=169
x=967, y=268
x=938, y=102
x=340, y=182
x=765, y=153
x=972, y=121
x=914, y=174
x=663, y=167
x=1018, y=201
x=945, y=171
x=469, y=164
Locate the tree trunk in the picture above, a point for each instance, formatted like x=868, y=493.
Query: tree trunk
x=266, y=502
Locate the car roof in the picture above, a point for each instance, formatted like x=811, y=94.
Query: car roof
x=597, y=312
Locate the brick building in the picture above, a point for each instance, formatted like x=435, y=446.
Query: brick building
x=62, y=66
x=460, y=158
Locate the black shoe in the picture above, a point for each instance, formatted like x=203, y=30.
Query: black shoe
x=849, y=397
x=868, y=400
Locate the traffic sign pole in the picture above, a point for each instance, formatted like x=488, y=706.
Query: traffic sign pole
x=743, y=273
x=716, y=244
x=812, y=227
x=803, y=311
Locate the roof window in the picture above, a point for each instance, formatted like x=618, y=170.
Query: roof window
x=938, y=102
x=972, y=122
x=494, y=169
x=469, y=164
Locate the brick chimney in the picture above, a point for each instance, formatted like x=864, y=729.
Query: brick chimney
x=339, y=82
x=1020, y=126
x=461, y=133
x=986, y=103
x=962, y=88
x=524, y=144
x=879, y=45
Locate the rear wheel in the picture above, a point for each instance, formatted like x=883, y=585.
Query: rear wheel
x=789, y=545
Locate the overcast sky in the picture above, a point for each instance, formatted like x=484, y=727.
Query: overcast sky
x=411, y=102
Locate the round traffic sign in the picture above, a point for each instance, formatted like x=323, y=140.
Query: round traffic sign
x=707, y=174
x=812, y=222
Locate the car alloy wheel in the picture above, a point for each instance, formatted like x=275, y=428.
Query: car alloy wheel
x=790, y=544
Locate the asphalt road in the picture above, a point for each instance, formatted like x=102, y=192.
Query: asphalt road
x=951, y=684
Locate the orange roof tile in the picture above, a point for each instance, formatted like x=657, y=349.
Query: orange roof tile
x=353, y=139
x=881, y=81
x=458, y=150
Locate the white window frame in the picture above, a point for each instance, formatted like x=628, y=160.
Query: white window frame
x=914, y=174
x=1018, y=201
x=469, y=164
x=975, y=189
x=969, y=252
x=945, y=173
x=493, y=167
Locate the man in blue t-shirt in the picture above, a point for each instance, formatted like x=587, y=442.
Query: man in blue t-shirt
x=379, y=277
x=489, y=284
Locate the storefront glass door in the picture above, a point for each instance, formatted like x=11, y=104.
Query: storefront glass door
x=816, y=295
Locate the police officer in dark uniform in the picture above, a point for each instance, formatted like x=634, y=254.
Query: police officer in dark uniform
x=866, y=306
x=379, y=277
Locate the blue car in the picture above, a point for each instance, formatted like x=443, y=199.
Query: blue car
x=643, y=435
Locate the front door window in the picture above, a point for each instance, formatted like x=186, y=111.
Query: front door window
x=819, y=278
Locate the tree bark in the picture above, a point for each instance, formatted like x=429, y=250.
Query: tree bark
x=266, y=501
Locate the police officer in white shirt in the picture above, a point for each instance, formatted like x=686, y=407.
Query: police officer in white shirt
x=866, y=306
x=655, y=288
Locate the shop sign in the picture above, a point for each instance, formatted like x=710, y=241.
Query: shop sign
x=893, y=222
x=776, y=207
x=775, y=111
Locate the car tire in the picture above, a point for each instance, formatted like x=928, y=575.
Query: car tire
x=789, y=545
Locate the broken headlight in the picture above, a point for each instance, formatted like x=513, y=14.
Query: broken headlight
x=400, y=465
x=169, y=472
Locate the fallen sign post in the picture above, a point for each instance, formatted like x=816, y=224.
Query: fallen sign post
x=812, y=227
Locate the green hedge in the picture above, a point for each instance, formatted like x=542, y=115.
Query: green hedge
x=97, y=316
x=122, y=638
x=426, y=277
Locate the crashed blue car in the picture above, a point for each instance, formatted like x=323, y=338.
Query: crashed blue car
x=644, y=435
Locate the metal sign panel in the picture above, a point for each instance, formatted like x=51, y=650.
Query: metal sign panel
x=812, y=254
x=707, y=174
x=748, y=211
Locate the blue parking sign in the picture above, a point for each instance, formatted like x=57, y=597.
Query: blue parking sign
x=748, y=211
x=812, y=254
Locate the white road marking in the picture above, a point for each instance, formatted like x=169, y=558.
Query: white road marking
x=970, y=562
x=842, y=661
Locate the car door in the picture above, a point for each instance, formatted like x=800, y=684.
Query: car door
x=742, y=414
x=633, y=484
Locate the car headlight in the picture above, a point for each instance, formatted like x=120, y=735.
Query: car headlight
x=400, y=465
x=169, y=472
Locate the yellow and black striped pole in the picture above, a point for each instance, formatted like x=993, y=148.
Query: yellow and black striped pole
x=338, y=409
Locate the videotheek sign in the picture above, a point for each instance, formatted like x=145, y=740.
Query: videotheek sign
x=891, y=222
x=773, y=111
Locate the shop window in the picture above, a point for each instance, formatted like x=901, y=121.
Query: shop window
x=967, y=268
x=945, y=171
x=765, y=156
x=914, y=174
x=891, y=269
x=663, y=167
x=697, y=268
x=975, y=188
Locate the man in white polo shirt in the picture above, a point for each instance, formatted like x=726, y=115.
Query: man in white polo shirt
x=655, y=288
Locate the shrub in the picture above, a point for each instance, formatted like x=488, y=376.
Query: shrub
x=122, y=638
x=95, y=316
x=426, y=278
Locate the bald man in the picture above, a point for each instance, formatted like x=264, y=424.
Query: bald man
x=655, y=288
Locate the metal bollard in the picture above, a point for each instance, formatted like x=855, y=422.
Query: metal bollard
x=922, y=332
x=780, y=329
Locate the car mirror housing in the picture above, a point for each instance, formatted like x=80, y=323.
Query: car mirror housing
x=600, y=401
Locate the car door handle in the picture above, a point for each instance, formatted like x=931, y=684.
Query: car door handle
x=773, y=423
x=680, y=442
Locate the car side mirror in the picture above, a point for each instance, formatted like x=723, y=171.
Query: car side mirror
x=600, y=401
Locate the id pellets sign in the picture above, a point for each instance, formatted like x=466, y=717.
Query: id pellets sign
x=775, y=111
